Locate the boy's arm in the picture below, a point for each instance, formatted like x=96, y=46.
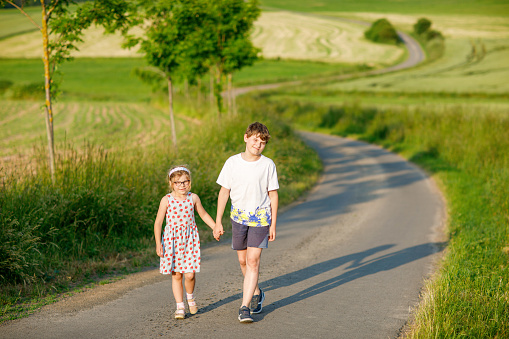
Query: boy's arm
x=222, y=199
x=158, y=224
x=203, y=214
x=274, y=202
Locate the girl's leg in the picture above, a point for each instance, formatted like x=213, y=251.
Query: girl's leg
x=176, y=286
x=190, y=281
x=178, y=293
x=253, y=256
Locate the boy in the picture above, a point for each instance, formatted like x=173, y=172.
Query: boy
x=250, y=180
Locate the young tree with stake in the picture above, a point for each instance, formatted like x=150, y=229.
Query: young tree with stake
x=61, y=28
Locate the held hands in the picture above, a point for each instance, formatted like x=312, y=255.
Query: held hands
x=218, y=231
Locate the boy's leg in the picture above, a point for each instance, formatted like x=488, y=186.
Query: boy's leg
x=251, y=276
x=242, y=261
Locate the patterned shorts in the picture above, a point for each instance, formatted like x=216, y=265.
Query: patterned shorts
x=249, y=236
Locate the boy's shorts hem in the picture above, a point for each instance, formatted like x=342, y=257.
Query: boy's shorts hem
x=249, y=236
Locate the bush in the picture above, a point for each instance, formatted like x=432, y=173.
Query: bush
x=433, y=34
x=4, y=85
x=26, y=91
x=382, y=31
x=421, y=26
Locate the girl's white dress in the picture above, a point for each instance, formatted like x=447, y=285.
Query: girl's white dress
x=181, y=241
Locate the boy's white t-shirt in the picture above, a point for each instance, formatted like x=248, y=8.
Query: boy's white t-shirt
x=249, y=183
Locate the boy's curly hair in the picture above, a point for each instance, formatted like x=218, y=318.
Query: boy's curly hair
x=258, y=129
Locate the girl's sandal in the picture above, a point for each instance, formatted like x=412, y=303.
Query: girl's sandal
x=193, y=309
x=180, y=313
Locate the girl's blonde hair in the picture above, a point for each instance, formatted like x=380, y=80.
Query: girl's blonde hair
x=178, y=171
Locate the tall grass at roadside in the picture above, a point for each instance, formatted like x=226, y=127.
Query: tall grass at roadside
x=468, y=152
x=98, y=217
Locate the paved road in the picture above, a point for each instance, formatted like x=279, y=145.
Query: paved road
x=348, y=262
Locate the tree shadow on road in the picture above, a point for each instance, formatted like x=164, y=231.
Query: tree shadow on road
x=359, y=266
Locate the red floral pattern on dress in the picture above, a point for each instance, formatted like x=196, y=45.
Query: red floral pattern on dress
x=181, y=241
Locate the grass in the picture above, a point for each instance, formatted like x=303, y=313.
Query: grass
x=297, y=36
x=108, y=124
x=458, y=71
x=488, y=7
x=14, y=23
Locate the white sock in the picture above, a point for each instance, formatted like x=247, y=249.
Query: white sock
x=190, y=296
x=181, y=305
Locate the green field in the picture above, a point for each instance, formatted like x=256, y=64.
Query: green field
x=100, y=79
x=13, y=23
x=420, y=7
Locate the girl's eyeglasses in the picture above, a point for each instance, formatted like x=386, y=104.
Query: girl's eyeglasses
x=182, y=183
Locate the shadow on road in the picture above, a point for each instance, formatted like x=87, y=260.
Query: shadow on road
x=359, y=266
x=349, y=181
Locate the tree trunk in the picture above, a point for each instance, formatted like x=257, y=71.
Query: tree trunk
x=211, y=95
x=218, y=91
x=186, y=89
x=199, y=93
x=172, y=120
x=47, y=88
x=234, y=103
x=230, y=98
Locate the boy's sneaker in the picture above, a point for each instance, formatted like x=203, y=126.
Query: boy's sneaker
x=257, y=301
x=245, y=315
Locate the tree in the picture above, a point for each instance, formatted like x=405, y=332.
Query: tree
x=177, y=41
x=60, y=30
x=422, y=25
x=382, y=31
x=233, y=49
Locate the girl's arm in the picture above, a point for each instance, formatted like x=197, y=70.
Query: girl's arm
x=203, y=214
x=201, y=211
x=158, y=224
x=274, y=203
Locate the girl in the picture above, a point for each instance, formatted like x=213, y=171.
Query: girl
x=179, y=247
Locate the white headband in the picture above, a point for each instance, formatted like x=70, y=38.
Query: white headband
x=178, y=169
